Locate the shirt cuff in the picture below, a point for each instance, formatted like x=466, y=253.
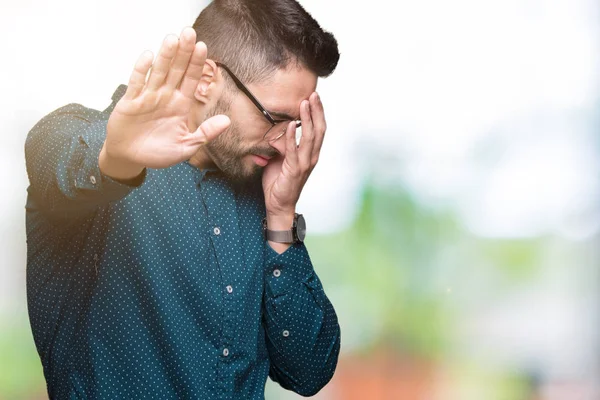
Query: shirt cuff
x=283, y=272
x=89, y=178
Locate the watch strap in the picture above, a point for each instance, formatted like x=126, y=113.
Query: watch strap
x=280, y=236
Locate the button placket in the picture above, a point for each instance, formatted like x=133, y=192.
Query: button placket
x=221, y=228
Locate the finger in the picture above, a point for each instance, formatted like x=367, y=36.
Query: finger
x=320, y=125
x=194, y=70
x=137, y=80
x=161, y=65
x=210, y=129
x=291, y=150
x=308, y=137
x=182, y=58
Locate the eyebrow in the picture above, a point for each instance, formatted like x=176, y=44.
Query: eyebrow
x=282, y=115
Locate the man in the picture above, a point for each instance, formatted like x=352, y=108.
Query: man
x=165, y=253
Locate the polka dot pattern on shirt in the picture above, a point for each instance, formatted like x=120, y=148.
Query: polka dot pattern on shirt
x=166, y=288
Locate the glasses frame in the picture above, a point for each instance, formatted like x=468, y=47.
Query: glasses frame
x=263, y=110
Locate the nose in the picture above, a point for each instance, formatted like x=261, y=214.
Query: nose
x=279, y=145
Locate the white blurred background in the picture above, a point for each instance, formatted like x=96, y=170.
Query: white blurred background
x=489, y=109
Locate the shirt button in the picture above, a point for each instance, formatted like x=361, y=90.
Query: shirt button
x=225, y=352
x=217, y=231
x=229, y=289
x=93, y=179
x=276, y=273
x=286, y=333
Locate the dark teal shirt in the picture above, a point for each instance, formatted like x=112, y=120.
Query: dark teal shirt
x=164, y=288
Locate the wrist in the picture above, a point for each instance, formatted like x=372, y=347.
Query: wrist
x=116, y=168
x=280, y=221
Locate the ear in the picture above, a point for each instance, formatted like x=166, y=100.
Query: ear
x=206, y=86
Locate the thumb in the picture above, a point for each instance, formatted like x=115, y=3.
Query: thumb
x=211, y=128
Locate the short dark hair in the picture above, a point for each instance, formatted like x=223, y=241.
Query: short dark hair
x=256, y=37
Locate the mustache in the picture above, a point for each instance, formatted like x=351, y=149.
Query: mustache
x=267, y=153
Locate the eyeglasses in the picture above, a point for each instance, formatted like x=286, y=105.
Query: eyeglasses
x=273, y=133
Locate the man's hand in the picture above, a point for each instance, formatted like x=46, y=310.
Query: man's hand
x=149, y=126
x=284, y=177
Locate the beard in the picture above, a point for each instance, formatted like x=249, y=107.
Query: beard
x=228, y=152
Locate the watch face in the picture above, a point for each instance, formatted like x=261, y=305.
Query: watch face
x=301, y=228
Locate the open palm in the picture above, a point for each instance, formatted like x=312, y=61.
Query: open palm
x=150, y=125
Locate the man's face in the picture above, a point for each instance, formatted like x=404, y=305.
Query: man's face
x=234, y=151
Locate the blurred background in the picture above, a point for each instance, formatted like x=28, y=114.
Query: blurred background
x=454, y=217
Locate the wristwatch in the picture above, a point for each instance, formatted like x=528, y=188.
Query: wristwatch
x=294, y=235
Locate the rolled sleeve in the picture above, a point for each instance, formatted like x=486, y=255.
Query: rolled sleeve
x=286, y=270
x=90, y=178
x=61, y=153
x=303, y=334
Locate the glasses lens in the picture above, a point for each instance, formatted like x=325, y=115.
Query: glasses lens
x=279, y=129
